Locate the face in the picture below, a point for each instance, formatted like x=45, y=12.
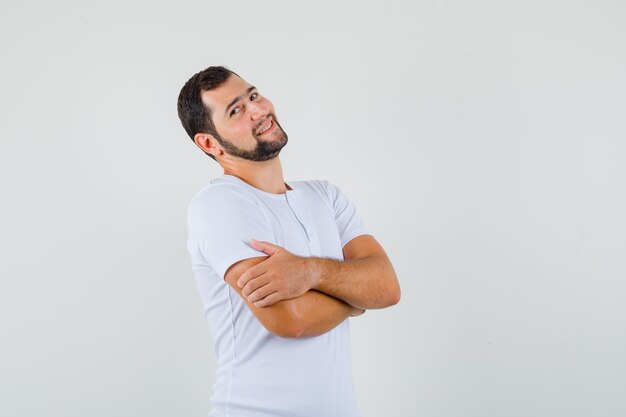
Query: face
x=245, y=121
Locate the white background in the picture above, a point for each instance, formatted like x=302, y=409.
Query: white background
x=482, y=142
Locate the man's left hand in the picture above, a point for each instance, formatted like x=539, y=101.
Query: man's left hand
x=281, y=276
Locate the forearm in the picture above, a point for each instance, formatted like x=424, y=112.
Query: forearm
x=314, y=313
x=310, y=314
x=366, y=283
x=365, y=279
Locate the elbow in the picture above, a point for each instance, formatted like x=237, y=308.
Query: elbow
x=295, y=333
x=288, y=325
x=394, y=296
x=288, y=331
x=394, y=293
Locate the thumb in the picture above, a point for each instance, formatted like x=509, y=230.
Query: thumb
x=268, y=248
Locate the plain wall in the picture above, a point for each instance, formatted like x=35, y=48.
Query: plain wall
x=483, y=143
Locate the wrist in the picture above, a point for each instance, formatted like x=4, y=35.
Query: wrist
x=313, y=270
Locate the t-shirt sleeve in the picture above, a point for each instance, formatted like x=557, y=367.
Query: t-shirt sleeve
x=349, y=224
x=221, y=222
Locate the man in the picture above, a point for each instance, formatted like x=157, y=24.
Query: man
x=279, y=267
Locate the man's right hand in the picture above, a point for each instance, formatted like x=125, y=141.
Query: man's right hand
x=281, y=276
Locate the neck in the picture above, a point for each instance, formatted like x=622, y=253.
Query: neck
x=266, y=175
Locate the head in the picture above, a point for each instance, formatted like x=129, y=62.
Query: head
x=227, y=117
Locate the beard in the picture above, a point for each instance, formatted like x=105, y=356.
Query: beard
x=264, y=149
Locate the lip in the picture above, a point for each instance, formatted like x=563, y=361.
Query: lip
x=271, y=129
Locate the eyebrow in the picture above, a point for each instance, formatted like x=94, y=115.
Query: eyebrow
x=232, y=103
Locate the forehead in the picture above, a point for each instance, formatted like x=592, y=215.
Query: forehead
x=219, y=98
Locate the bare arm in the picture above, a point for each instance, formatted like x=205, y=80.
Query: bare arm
x=365, y=279
x=310, y=314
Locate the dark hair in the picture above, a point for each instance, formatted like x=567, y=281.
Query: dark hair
x=193, y=114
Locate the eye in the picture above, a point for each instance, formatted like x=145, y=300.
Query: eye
x=236, y=110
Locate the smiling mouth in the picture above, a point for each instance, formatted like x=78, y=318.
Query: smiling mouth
x=266, y=128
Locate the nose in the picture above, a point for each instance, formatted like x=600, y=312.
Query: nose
x=257, y=110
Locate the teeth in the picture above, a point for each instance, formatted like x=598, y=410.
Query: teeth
x=263, y=130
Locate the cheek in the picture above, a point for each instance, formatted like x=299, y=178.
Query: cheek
x=240, y=132
x=245, y=130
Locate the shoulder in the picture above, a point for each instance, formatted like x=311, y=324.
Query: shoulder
x=220, y=199
x=221, y=193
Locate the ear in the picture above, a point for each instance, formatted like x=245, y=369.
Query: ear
x=208, y=143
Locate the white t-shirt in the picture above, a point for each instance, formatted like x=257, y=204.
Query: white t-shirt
x=259, y=374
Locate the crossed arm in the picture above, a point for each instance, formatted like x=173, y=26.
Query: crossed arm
x=295, y=296
x=311, y=314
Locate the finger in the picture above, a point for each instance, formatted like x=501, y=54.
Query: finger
x=262, y=292
x=268, y=248
x=269, y=300
x=255, y=284
x=250, y=274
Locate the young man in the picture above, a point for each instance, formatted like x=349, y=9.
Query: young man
x=280, y=267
